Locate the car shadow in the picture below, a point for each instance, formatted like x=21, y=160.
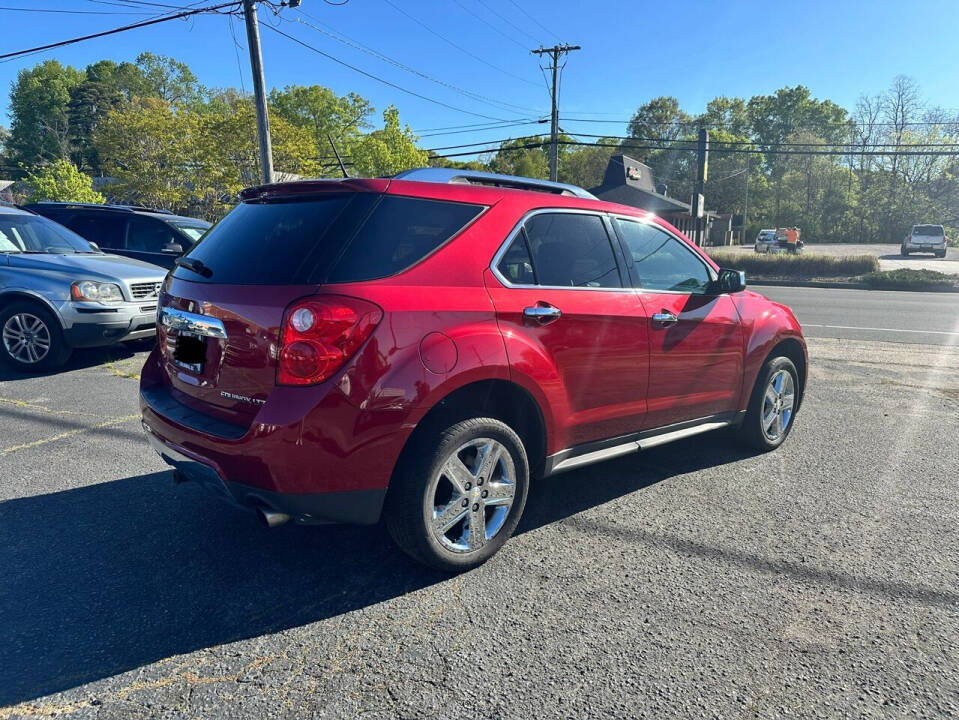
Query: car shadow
x=83, y=358
x=913, y=256
x=106, y=578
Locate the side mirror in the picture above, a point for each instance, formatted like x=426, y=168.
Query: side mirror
x=173, y=249
x=729, y=281
x=94, y=246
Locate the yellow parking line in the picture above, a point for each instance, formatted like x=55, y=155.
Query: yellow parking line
x=33, y=406
x=68, y=433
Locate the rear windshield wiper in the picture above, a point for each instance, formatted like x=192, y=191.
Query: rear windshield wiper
x=195, y=266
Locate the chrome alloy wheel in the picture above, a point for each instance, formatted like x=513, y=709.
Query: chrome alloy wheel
x=469, y=498
x=778, y=404
x=26, y=338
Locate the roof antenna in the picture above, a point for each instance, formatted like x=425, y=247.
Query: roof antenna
x=338, y=159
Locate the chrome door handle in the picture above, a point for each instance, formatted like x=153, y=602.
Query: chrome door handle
x=665, y=318
x=542, y=314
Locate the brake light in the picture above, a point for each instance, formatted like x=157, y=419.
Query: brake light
x=319, y=334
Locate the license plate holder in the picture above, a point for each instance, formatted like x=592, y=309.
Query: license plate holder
x=189, y=351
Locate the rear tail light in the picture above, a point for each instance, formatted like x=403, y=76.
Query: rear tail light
x=319, y=334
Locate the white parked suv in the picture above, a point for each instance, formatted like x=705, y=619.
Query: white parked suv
x=925, y=238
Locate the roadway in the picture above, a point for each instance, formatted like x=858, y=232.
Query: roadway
x=889, y=316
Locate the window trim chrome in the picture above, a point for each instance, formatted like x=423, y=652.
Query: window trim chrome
x=504, y=246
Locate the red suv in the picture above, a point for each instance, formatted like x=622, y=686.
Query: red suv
x=420, y=348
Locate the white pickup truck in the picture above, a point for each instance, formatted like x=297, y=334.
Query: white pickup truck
x=925, y=238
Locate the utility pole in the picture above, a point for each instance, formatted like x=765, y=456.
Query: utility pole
x=555, y=53
x=699, y=197
x=259, y=92
x=746, y=209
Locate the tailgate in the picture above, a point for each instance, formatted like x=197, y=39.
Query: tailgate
x=218, y=344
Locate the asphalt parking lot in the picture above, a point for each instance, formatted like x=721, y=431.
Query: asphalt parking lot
x=821, y=580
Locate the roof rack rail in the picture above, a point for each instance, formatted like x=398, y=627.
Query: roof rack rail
x=107, y=206
x=476, y=177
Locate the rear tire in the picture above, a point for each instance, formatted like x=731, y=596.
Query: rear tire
x=941, y=254
x=31, y=339
x=772, y=405
x=458, y=494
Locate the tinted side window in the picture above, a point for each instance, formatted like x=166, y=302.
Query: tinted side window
x=401, y=231
x=105, y=229
x=332, y=238
x=571, y=250
x=516, y=265
x=661, y=261
x=150, y=235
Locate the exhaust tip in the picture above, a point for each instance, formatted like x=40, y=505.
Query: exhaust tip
x=271, y=518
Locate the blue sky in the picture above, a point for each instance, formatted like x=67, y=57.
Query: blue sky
x=632, y=51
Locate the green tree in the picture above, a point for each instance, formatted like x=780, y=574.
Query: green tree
x=148, y=148
x=586, y=165
x=323, y=113
x=389, y=150
x=60, y=181
x=39, y=110
x=514, y=157
x=658, y=122
x=168, y=79
x=726, y=114
x=106, y=85
x=195, y=158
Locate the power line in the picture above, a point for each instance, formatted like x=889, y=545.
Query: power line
x=732, y=151
x=346, y=40
x=453, y=44
x=726, y=126
x=377, y=78
x=77, y=12
x=478, y=126
x=134, y=26
x=535, y=21
x=495, y=127
x=490, y=25
x=508, y=21
x=713, y=142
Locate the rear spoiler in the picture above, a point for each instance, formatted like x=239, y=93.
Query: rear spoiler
x=316, y=186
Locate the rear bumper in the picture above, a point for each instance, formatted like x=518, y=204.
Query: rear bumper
x=361, y=507
x=308, y=452
x=924, y=248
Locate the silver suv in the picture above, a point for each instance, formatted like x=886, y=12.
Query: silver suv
x=59, y=292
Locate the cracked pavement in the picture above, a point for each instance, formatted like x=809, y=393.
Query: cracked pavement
x=694, y=579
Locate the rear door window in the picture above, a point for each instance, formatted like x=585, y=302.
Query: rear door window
x=105, y=229
x=333, y=238
x=571, y=250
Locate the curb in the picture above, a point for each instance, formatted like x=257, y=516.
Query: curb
x=840, y=285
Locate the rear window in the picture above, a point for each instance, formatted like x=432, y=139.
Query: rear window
x=329, y=239
x=935, y=230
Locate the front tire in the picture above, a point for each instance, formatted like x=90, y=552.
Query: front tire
x=458, y=495
x=31, y=339
x=903, y=252
x=772, y=405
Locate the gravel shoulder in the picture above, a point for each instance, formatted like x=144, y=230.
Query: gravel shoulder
x=695, y=579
